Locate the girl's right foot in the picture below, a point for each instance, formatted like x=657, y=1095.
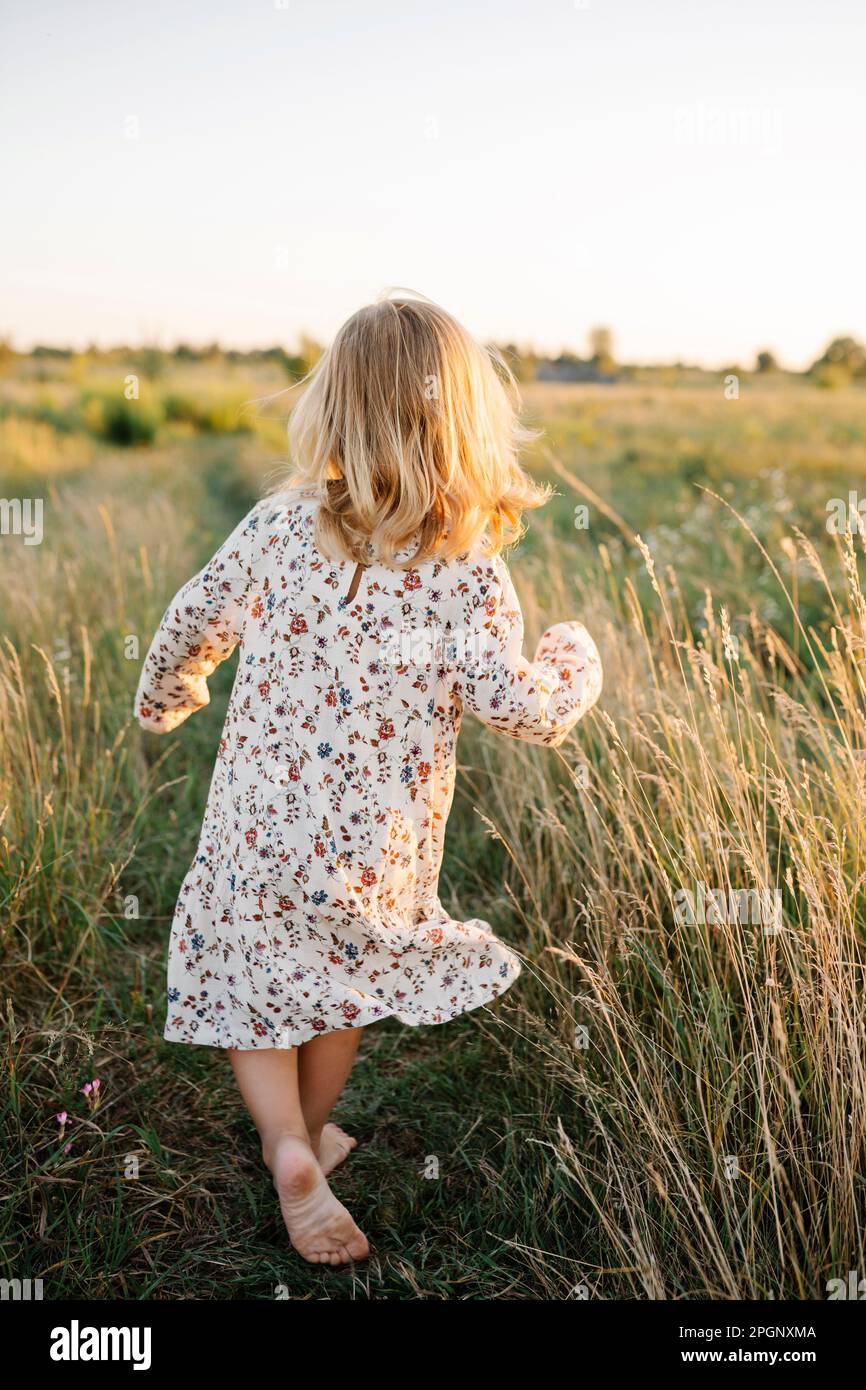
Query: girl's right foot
x=319, y=1227
x=334, y=1147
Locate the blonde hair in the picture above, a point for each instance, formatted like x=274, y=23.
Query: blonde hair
x=408, y=434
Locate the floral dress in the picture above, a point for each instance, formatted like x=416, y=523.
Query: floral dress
x=312, y=902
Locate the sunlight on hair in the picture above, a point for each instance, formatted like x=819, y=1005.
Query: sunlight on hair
x=408, y=432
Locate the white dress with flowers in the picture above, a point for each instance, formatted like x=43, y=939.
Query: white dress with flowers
x=312, y=902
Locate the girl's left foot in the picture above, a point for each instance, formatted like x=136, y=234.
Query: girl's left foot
x=334, y=1147
x=319, y=1227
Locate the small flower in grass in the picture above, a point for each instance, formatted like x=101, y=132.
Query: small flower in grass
x=61, y=1117
x=90, y=1089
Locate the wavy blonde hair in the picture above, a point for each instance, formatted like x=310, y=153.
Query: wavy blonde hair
x=408, y=434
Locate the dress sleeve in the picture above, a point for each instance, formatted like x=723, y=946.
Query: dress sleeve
x=539, y=701
x=201, y=627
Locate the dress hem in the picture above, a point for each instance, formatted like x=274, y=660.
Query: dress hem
x=304, y=1035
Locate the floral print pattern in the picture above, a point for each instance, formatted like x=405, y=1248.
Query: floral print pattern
x=312, y=902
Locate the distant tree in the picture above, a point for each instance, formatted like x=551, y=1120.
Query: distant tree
x=522, y=362
x=842, y=359
x=766, y=362
x=150, y=361
x=309, y=351
x=601, y=348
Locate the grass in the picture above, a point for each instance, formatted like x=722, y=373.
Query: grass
x=657, y=1109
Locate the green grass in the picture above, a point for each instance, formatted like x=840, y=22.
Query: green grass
x=200, y=1219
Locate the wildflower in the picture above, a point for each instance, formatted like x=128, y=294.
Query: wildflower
x=90, y=1089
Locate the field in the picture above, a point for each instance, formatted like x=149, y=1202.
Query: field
x=659, y=1109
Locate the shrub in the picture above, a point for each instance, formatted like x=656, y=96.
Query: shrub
x=211, y=413
x=129, y=423
x=831, y=376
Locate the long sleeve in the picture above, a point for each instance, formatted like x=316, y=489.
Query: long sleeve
x=539, y=701
x=201, y=627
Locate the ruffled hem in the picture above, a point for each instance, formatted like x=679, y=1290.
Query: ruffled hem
x=208, y=1035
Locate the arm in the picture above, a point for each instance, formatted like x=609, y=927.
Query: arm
x=201, y=627
x=540, y=700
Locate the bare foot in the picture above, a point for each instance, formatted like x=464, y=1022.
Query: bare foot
x=319, y=1227
x=335, y=1146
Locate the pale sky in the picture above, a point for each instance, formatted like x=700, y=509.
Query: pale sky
x=688, y=172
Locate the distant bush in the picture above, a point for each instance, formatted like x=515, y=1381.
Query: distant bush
x=150, y=361
x=181, y=410
x=111, y=416
x=31, y=448
x=843, y=359
x=8, y=356
x=107, y=413
x=64, y=418
x=831, y=376
x=207, y=414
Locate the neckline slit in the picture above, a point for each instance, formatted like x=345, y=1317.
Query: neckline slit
x=356, y=580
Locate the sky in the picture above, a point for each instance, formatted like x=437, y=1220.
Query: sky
x=689, y=174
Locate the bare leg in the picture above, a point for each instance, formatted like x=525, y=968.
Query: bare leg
x=323, y=1068
x=268, y=1082
x=320, y=1228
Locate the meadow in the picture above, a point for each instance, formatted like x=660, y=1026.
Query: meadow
x=659, y=1108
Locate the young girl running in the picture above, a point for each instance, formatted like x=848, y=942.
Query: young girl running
x=372, y=607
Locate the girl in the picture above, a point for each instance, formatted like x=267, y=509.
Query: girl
x=371, y=606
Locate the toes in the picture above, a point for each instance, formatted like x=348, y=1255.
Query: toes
x=358, y=1246
x=355, y=1249
x=337, y=1255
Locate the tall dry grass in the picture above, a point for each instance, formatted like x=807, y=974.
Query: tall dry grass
x=712, y=1109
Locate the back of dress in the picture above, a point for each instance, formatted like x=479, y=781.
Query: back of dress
x=312, y=902
x=340, y=729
